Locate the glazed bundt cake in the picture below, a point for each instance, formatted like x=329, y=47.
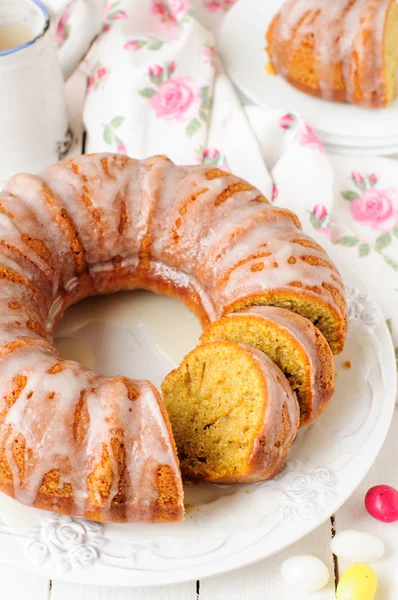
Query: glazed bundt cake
x=77, y=443
x=344, y=50
x=233, y=413
x=293, y=343
x=81, y=444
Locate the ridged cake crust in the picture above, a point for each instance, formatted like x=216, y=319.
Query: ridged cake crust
x=344, y=50
x=77, y=443
x=233, y=413
x=103, y=223
x=295, y=345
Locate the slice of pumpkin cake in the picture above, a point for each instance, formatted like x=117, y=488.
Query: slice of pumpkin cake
x=293, y=343
x=233, y=413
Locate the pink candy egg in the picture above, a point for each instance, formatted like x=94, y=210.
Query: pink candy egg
x=381, y=502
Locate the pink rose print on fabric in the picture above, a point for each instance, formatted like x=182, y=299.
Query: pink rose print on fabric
x=148, y=42
x=132, y=45
x=118, y=16
x=209, y=54
x=216, y=5
x=161, y=9
x=171, y=12
x=359, y=181
x=98, y=78
x=357, y=177
x=307, y=139
x=177, y=98
x=305, y=136
x=211, y=156
x=320, y=220
x=111, y=14
x=319, y=211
x=288, y=121
x=110, y=136
x=211, y=153
x=63, y=28
x=372, y=207
x=372, y=179
x=376, y=209
x=155, y=71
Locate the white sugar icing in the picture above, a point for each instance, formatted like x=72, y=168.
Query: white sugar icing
x=105, y=223
x=346, y=32
x=279, y=394
x=303, y=333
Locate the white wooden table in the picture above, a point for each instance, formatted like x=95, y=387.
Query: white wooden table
x=261, y=581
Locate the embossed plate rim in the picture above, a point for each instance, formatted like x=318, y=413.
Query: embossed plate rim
x=78, y=544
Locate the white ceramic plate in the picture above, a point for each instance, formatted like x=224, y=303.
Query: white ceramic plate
x=390, y=151
x=226, y=527
x=357, y=142
x=242, y=42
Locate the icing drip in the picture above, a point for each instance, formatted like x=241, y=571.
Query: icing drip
x=46, y=428
x=99, y=224
x=55, y=307
x=72, y=284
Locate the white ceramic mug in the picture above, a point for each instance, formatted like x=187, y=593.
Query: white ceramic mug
x=34, y=129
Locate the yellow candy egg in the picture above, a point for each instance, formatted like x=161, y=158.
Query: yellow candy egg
x=358, y=582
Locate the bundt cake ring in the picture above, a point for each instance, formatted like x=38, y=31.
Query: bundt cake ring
x=78, y=443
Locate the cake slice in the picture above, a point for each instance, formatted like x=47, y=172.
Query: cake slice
x=293, y=343
x=345, y=50
x=233, y=413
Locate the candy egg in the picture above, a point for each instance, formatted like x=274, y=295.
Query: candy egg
x=381, y=502
x=357, y=547
x=358, y=582
x=306, y=572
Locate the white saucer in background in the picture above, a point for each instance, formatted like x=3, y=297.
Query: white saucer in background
x=242, y=43
x=390, y=151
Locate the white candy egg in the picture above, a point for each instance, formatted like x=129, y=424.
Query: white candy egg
x=357, y=546
x=306, y=572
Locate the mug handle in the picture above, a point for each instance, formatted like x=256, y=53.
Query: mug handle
x=73, y=36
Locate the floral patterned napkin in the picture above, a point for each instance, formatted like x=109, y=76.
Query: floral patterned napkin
x=156, y=85
x=353, y=202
